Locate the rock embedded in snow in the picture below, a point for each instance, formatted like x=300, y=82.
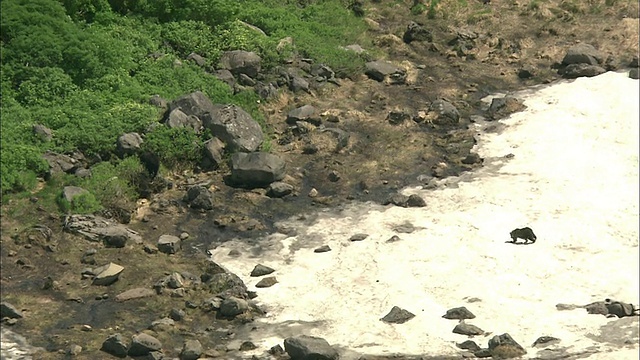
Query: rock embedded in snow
x=321, y=249
x=416, y=201
x=504, y=347
x=469, y=345
x=398, y=315
x=261, y=270
x=358, y=237
x=545, y=340
x=304, y=347
x=459, y=313
x=467, y=329
x=267, y=282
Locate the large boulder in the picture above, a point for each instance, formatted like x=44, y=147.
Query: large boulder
x=381, y=70
x=416, y=32
x=129, y=143
x=235, y=127
x=178, y=119
x=241, y=62
x=447, y=114
x=257, y=169
x=142, y=344
x=583, y=54
x=59, y=163
x=107, y=274
x=305, y=347
x=504, y=347
x=96, y=228
x=195, y=103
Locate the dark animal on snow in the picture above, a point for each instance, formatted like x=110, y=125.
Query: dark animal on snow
x=525, y=233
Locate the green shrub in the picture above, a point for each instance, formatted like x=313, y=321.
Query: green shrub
x=80, y=204
x=176, y=147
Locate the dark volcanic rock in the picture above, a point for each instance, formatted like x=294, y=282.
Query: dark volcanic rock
x=199, y=197
x=169, y=244
x=542, y=340
x=261, y=270
x=267, y=282
x=458, y=313
x=256, y=169
x=381, y=70
x=233, y=306
x=9, y=311
x=143, y=344
x=504, y=347
x=504, y=106
x=467, y=329
x=398, y=316
x=447, y=114
x=115, y=346
x=416, y=32
x=191, y=350
x=321, y=249
x=574, y=71
x=469, y=345
x=583, y=54
x=305, y=347
x=241, y=62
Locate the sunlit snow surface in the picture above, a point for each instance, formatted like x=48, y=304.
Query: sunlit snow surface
x=573, y=179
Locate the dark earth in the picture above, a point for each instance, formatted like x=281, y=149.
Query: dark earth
x=501, y=46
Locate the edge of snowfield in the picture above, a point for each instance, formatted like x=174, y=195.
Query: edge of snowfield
x=573, y=179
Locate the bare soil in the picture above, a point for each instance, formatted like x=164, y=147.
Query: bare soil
x=380, y=158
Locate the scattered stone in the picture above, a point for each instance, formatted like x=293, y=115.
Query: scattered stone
x=279, y=189
x=503, y=107
x=597, y=307
x=74, y=350
x=467, y=329
x=96, y=228
x=415, y=200
x=142, y=344
x=7, y=310
x=305, y=347
x=71, y=192
x=575, y=71
x=313, y=193
x=256, y=169
x=406, y=228
x=394, y=238
x=59, y=163
x=334, y=176
x=247, y=345
x=566, y=307
x=267, y=282
x=240, y=62
x=177, y=314
x=619, y=308
x=472, y=159
x=542, y=340
x=261, y=270
x=276, y=350
x=169, y=244
x=504, y=347
x=42, y=132
x=469, y=345
x=381, y=70
x=234, y=126
x=178, y=119
x=232, y=306
x=458, y=313
x=397, y=316
x=304, y=113
x=634, y=73
x=199, y=60
x=583, y=54
x=191, y=350
x=214, y=152
x=199, y=197
x=136, y=293
x=129, y=143
x=416, y=32
x=115, y=346
x=323, y=248
x=162, y=324
x=396, y=117
x=107, y=274
x=358, y=237
x=397, y=200
x=483, y=353
x=447, y=114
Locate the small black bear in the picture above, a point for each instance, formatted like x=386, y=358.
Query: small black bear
x=525, y=233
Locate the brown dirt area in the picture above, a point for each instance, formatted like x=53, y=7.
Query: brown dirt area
x=380, y=158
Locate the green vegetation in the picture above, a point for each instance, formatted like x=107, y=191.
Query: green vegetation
x=87, y=68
